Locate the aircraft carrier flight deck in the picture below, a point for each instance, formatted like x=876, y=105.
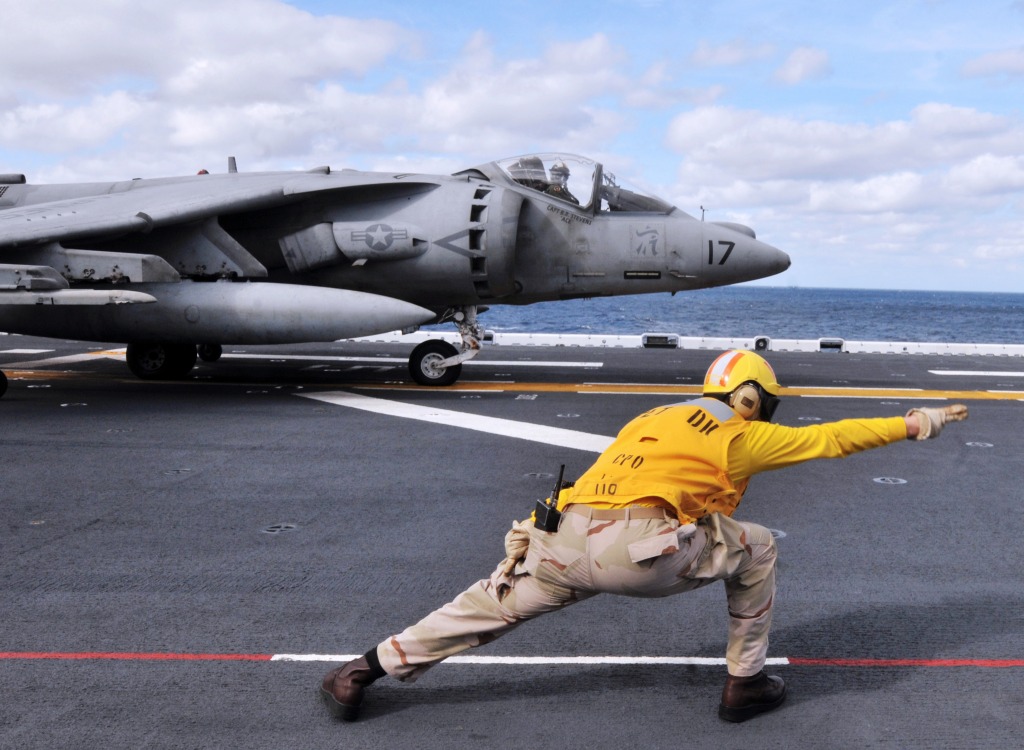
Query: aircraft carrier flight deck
x=183, y=560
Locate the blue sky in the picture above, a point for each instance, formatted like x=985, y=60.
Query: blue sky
x=881, y=144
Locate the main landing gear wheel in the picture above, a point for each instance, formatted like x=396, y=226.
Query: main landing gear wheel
x=209, y=352
x=425, y=363
x=3, y=384
x=151, y=361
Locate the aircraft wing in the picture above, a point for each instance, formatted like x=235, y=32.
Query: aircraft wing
x=41, y=243
x=147, y=205
x=147, y=262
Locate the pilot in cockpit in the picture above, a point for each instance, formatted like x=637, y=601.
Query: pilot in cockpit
x=559, y=183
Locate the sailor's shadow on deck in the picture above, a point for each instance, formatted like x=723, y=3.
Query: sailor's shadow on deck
x=698, y=685
x=953, y=628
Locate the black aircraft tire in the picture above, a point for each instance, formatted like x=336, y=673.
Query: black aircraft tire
x=3, y=384
x=151, y=361
x=423, y=363
x=210, y=352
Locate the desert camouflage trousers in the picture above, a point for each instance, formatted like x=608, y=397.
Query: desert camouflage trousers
x=587, y=556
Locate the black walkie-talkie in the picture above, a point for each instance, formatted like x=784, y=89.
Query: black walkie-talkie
x=547, y=513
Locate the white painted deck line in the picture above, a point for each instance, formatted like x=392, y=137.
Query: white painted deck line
x=538, y=433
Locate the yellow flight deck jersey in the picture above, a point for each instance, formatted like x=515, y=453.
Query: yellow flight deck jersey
x=697, y=457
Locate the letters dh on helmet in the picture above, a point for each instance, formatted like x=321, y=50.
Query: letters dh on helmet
x=737, y=368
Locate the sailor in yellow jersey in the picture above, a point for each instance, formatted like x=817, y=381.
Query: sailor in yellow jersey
x=650, y=518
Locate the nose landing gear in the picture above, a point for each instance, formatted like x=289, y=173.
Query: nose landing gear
x=438, y=363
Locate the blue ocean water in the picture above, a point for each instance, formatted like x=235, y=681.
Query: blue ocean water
x=781, y=312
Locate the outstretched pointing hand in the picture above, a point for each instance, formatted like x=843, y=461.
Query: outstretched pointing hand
x=931, y=420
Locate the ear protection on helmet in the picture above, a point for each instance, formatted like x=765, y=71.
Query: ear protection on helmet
x=751, y=401
x=746, y=401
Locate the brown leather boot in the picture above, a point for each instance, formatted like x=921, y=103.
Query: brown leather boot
x=745, y=697
x=342, y=688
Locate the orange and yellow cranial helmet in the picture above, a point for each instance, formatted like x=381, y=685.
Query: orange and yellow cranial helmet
x=736, y=368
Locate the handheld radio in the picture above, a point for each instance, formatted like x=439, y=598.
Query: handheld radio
x=547, y=513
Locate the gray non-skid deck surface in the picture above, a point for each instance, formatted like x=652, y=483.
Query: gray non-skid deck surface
x=140, y=518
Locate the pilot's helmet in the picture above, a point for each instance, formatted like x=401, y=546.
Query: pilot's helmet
x=746, y=382
x=559, y=173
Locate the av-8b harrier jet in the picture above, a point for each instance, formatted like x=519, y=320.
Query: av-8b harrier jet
x=177, y=267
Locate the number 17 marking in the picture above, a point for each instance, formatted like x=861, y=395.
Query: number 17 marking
x=711, y=251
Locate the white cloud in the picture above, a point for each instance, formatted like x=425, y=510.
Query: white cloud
x=900, y=192
x=549, y=99
x=59, y=126
x=987, y=174
x=1004, y=62
x=655, y=88
x=230, y=50
x=277, y=86
x=735, y=52
x=939, y=120
x=159, y=83
x=763, y=147
x=854, y=197
x=804, y=64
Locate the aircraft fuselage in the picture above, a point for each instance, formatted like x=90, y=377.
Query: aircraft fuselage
x=321, y=255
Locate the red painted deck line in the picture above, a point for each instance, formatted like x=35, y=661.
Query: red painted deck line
x=794, y=661
x=798, y=661
x=125, y=656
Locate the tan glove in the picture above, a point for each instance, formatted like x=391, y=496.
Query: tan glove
x=517, y=542
x=931, y=420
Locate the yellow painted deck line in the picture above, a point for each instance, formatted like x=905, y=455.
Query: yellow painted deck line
x=692, y=390
x=906, y=393
x=472, y=386
x=42, y=374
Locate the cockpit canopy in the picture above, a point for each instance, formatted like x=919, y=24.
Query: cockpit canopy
x=577, y=180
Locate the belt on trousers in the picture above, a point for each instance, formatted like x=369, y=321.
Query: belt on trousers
x=618, y=514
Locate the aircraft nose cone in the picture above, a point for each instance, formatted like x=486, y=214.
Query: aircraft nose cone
x=782, y=261
x=753, y=258
x=771, y=259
